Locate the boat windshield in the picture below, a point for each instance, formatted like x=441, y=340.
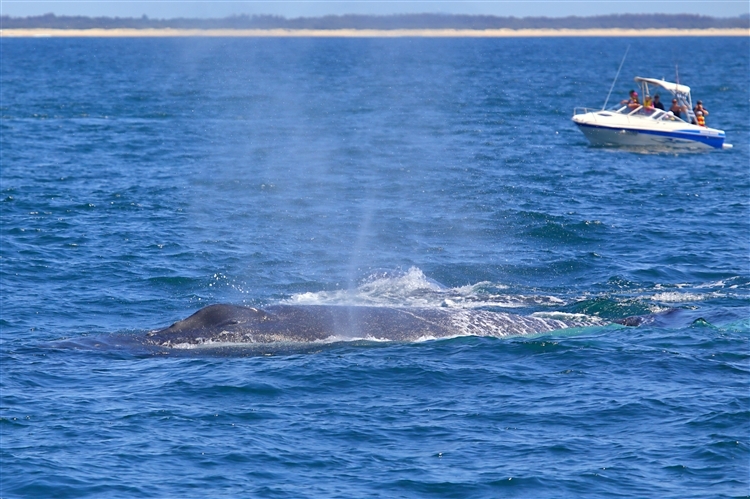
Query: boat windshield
x=654, y=114
x=665, y=116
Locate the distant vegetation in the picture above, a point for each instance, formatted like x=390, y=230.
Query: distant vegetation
x=399, y=21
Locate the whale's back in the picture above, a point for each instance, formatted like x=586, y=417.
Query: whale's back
x=308, y=323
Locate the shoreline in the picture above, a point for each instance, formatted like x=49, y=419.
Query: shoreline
x=366, y=33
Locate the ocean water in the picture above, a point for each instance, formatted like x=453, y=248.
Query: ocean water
x=143, y=179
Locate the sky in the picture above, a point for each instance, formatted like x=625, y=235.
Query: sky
x=314, y=8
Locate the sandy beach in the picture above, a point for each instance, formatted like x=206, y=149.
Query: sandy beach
x=369, y=33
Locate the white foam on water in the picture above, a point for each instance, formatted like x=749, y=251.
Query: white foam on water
x=203, y=344
x=216, y=344
x=717, y=284
x=500, y=325
x=678, y=297
x=573, y=320
x=413, y=289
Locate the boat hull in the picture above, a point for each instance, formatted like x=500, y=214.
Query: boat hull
x=600, y=135
x=611, y=129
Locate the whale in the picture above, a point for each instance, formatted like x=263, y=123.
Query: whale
x=223, y=324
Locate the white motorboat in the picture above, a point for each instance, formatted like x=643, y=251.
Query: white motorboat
x=646, y=127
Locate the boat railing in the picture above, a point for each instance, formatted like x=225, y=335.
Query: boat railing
x=584, y=110
x=596, y=111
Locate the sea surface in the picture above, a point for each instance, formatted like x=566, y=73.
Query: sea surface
x=143, y=179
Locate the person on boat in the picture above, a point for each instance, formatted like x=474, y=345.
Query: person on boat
x=657, y=103
x=699, y=107
x=632, y=102
x=699, y=119
x=648, y=105
x=676, y=109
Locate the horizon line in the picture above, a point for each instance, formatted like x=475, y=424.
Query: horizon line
x=401, y=14
x=370, y=33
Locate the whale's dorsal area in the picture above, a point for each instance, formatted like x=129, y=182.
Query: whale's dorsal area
x=221, y=324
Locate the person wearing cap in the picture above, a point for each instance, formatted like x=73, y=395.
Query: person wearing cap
x=657, y=103
x=632, y=102
x=699, y=107
x=700, y=120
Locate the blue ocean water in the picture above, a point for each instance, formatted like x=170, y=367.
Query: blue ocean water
x=143, y=179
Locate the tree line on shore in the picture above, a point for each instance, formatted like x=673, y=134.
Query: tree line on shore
x=395, y=21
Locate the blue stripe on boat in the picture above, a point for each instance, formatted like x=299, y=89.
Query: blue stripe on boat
x=716, y=141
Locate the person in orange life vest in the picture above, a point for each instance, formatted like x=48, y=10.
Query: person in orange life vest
x=700, y=120
x=632, y=102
